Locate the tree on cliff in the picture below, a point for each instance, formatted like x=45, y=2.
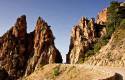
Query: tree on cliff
x=113, y=18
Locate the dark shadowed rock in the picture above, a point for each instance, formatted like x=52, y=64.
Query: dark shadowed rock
x=13, y=48
x=3, y=74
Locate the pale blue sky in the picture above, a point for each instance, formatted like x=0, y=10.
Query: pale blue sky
x=60, y=14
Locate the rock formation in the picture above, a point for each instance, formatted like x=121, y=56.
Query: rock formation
x=113, y=54
x=83, y=36
x=122, y=4
x=13, y=49
x=18, y=49
x=44, y=49
x=102, y=17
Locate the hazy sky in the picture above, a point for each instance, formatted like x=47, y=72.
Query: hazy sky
x=60, y=14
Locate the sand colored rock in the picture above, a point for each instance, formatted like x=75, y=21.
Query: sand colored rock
x=83, y=35
x=102, y=17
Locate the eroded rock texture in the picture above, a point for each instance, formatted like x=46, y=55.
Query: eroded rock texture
x=19, y=50
x=44, y=49
x=102, y=17
x=13, y=49
x=83, y=36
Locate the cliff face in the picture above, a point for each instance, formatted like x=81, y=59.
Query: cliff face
x=13, y=49
x=102, y=17
x=83, y=36
x=19, y=49
x=45, y=51
x=113, y=54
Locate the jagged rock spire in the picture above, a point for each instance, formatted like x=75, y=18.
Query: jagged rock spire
x=45, y=51
x=20, y=27
x=83, y=36
x=13, y=49
x=39, y=21
x=21, y=52
x=102, y=17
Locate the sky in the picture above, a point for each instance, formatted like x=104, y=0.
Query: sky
x=62, y=15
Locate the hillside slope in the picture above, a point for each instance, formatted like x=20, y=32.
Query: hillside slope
x=75, y=72
x=113, y=54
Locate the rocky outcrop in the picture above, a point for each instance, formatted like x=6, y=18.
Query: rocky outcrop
x=13, y=49
x=122, y=4
x=44, y=49
x=102, y=17
x=83, y=36
x=19, y=48
x=113, y=54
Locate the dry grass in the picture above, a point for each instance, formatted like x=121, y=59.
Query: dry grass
x=67, y=72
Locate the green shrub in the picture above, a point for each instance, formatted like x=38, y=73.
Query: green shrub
x=113, y=18
x=109, y=56
x=89, y=52
x=112, y=13
x=104, y=41
x=122, y=23
x=113, y=23
x=56, y=71
x=97, y=46
x=43, y=62
x=80, y=61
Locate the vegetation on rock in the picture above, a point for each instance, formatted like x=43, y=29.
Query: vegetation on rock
x=56, y=71
x=115, y=19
